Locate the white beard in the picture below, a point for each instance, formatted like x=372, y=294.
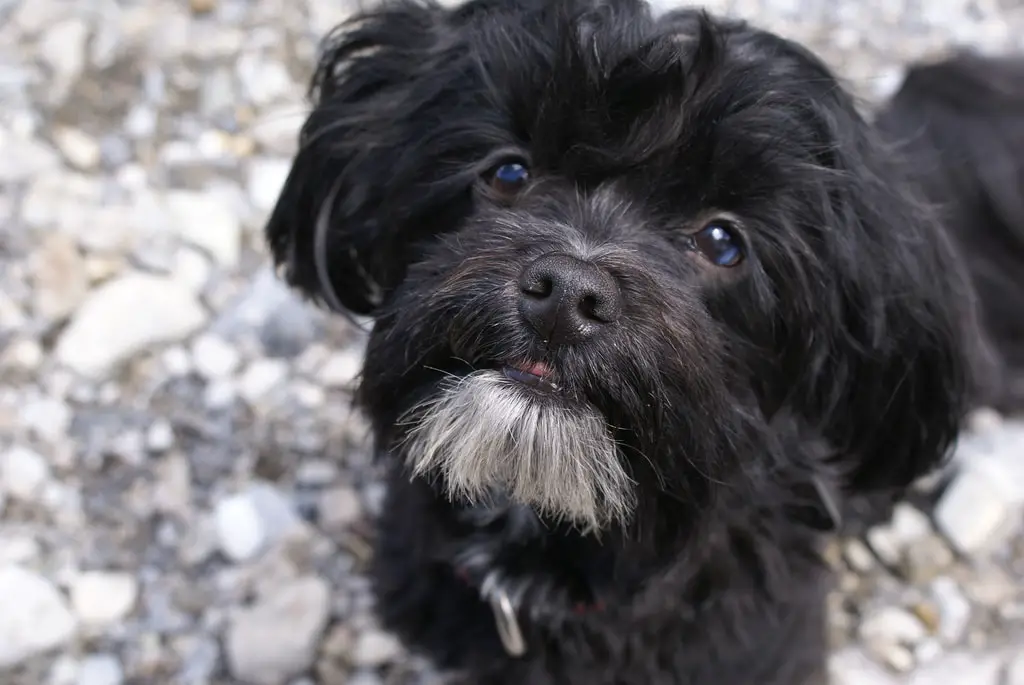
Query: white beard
x=481, y=432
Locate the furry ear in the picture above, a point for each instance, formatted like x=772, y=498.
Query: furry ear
x=335, y=228
x=887, y=385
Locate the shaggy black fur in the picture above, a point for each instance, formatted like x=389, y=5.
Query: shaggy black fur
x=836, y=352
x=961, y=121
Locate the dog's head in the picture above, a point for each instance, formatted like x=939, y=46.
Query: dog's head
x=605, y=250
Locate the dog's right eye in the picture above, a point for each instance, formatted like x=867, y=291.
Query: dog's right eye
x=509, y=178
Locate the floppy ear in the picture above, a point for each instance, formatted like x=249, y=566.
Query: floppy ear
x=336, y=226
x=887, y=386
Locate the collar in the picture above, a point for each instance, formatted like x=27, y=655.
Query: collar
x=507, y=598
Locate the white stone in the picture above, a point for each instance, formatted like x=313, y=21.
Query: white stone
x=24, y=354
x=265, y=180
x=208, y=222
x=18, y=549
x=277, y=130
x=64, y=671
x=125, y=317
x=341, y=369
x=277, y=638
x=25, y=158
x=48, y=418
x=1015, y=670
x=959, y=668
x=979, y=511
x=35, y=617
x=375, y=648
x=100, y=598
x=954, y=610
x=213, y=357
x=891, y=626
x=260, y=378
x=172, y=493
x=23, y=473
x=62, y=48
x=160, y=436
x=59, y=277
x=100, y=669
x=240, y=531
x=192, y=268
x=263, y=80
x=79, y=148
x=909, y=525
x=339, y=507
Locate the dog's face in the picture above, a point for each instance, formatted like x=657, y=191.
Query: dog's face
x=607, y=252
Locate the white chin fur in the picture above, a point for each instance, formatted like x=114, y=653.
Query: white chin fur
x=482, y=432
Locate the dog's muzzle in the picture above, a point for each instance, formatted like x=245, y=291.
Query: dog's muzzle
x=512, y=431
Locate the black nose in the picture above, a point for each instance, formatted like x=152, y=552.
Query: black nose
x=568, y=300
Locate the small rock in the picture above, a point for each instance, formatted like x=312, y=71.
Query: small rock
x=159, y=436
x=277, y=638
x=266, y=179
x=251, y=520
x=24, y=354
x=18, y=550
x=23, y=473
x=60, y=277
x=101, y=598
x=25, y=158
x=339, y=508
x=262, y=376
x=79, y=149
x=263, y=80
x=341, y=369
x=858, y=556
x=954, y=610
x=959, y=669
x=35, y=617
x=192, y=268
x=926, y=558
x=124, y=317
x=375, y=648
x=889, y=633
x=1015, y=671
x=199, y=659
x=64, y=671
x=978, y=511
x=239, y=528
x=48, y=418
x=62, y=48
x=213, y=357
x=984, y=420
x=202, y=6
x=100, y=669
x=206, y=221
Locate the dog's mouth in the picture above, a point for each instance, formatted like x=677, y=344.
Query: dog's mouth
x=536, y=375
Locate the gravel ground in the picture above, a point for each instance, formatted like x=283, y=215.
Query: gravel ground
x=184, y=491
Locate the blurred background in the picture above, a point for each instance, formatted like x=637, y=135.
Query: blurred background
x=184, y=491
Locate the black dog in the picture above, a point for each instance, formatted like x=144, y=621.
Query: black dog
x=652, y=303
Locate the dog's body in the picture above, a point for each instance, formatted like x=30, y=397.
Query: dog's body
x=652, y=302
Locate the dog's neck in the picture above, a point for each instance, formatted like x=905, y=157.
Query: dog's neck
x=531, y=571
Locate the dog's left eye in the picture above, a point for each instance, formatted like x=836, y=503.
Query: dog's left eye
x=509, y=178
x=718, y=243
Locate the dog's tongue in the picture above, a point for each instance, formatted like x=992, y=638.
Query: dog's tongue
x=538, y=369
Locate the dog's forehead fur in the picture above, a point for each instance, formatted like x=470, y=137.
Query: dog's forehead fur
x=593, y=91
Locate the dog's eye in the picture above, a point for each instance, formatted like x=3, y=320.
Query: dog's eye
x=509, y=178
x=717, y=242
